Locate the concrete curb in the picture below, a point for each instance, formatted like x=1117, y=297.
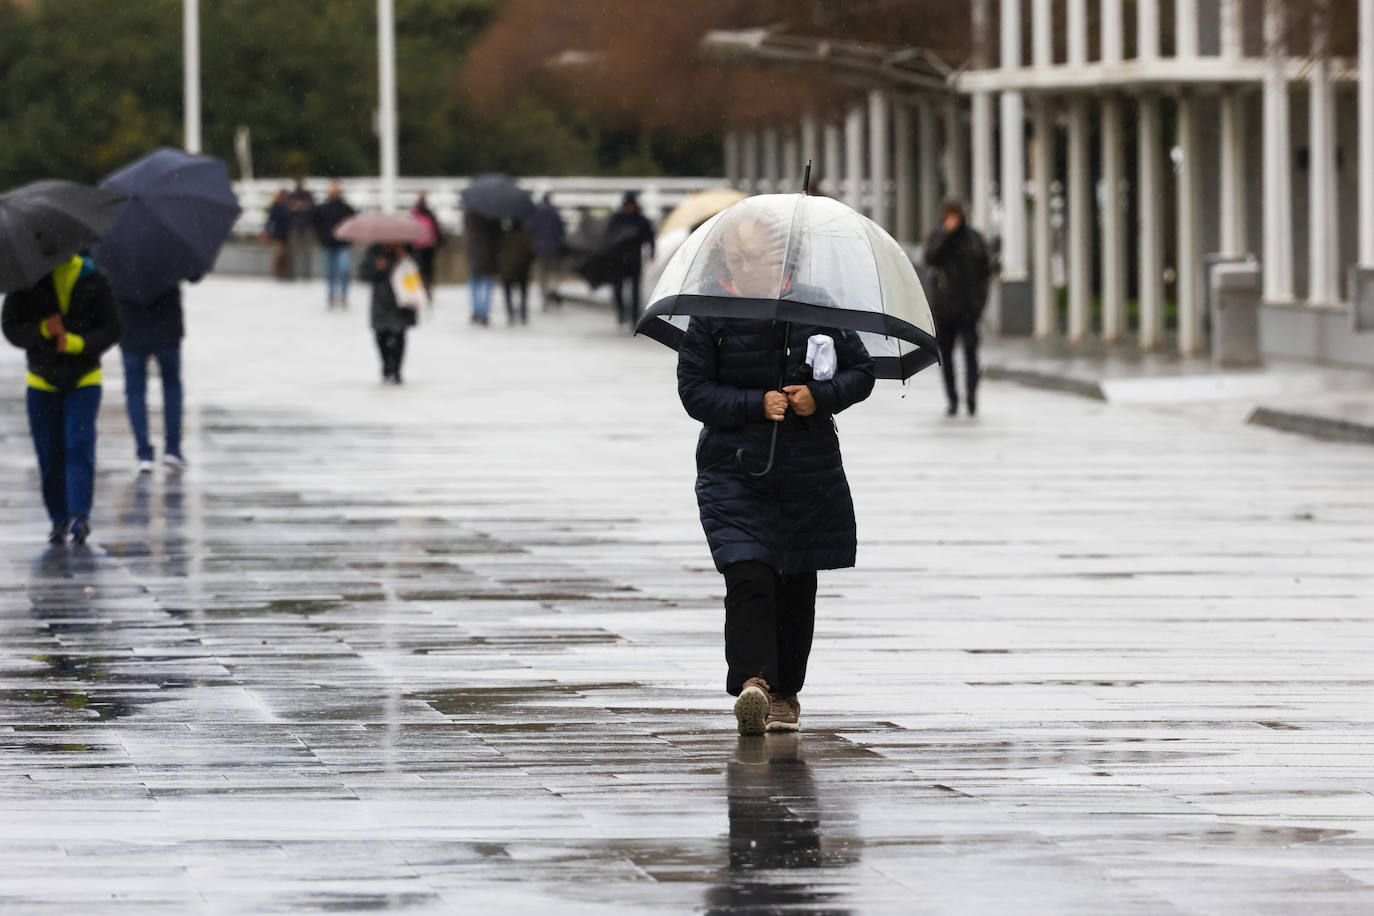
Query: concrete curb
x=1312, y=425
x=1046, y=381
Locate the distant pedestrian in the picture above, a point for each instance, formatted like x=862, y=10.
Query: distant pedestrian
x=515, y=261
x=153, y=329
x=301, y=203
x=390, y=320
x=277, y=233
x=549, y=234
x=424, y=249
x=480, y=240
x=628, y=232
x=64, y=322
x=338, y=254
x=959, y=258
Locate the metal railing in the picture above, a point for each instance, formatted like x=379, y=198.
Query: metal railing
x=573, y=196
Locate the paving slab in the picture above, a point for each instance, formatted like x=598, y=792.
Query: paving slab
x=455, y=646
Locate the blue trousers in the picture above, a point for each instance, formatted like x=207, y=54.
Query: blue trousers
x=336, y=266
x=63, y=428
x=136, y=397
x=481, y=294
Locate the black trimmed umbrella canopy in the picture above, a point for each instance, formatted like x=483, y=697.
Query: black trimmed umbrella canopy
x=797, y=258
x=181, y=209
x=44, y=223
x=497, y=197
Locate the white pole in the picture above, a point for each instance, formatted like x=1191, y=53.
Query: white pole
x=1232, y=41
x=954, y=156
x=1080, y=222
x=1113, y=224
x=386, y=107
x=1151, y=245
x=1013, y=152
x=770, y=160
x=1323, y=246
x=1045, y=321
x=811, y=145
x=1233, y=168
x=732, y=166
x=928, y=186
x=1189, y=234
x=904, y=171
x=1112, y=43
x=1078, y=32
x=1185, y=28
x=1366, y=114
x=878, y=112
x=190, y=26
x=749, y=168
x=791, y=163
x=1278, y=190
x=832, y=161
x=854, y=156
x=1042, y=38
x=1147, y=29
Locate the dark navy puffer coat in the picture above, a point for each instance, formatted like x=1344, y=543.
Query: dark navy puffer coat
x=799, y=516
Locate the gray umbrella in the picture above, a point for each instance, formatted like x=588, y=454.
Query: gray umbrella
x=44, y=223
x=497, y=197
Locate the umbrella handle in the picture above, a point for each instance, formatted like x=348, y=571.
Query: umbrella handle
x=772, y=450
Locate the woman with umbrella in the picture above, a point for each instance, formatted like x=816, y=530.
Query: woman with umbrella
x=769, y=533
x=390, y=320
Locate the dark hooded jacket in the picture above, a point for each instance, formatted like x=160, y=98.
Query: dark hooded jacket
x=90, y=314
x=962, y=269
x=328, y=216
x=153, y=325
x=387, y=315
x=799, y=516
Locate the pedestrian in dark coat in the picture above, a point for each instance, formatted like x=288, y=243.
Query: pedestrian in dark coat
x=480, y=240
x=338, y=253
x=549, y=234
x=301, y=205
x=277, y=233
x=515, y=260
x=424, y=248
x=64, y=323
x=628, y=232
x=390, y=320
x=769, y=534
x=959, y=257
x=153, y=330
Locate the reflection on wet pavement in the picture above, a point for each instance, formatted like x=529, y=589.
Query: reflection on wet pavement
x=368, y=658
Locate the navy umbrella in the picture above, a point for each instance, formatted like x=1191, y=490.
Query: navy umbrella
x=181, y=209
x=44, y=223
x=497, y=197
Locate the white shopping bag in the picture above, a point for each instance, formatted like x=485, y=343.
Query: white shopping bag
x=820, y=356
x=407, y=284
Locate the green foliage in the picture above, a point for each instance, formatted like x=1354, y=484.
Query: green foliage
x=87, y=85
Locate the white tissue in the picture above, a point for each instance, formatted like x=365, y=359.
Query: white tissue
x=820, y=356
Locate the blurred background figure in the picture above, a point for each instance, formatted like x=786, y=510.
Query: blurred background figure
x=515, y=262
x=301, y=204
x=153, y=329
x=479, y=244
x=959, y=258
x=389, y=320
x=425, y=248
x=277, y=233
x=628, y=232
x=338, y=254
x=548, y=235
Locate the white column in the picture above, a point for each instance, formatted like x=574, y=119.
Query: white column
x=954, y=156
x=832, y=160
x=1278, y=191
x=1150, y=187
x=1323, y=229
x=732, y=157
x=190, y=27
x=904, y=172
x=928, y=163
x=1042, y=36
x=1113, y=224
x=981, y=179
x=1013, y=152
x=1232, y=40
x=1185, y=28
x=750, y=166
x=854, y=156
x=811, y=145
x=1189, y=210
x=770, y=160
x=1147, y=29
x=878, y=113
x=1080, y=222
x=791, y=163
x=1112, y=43
x=1366, y=116
x=386, y=108
x=1078, y=32
x=1233, y=169
x=1045, y=322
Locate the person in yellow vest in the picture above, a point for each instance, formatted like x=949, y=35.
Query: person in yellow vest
x=64, y=322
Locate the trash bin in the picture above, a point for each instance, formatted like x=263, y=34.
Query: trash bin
x=1235, y=298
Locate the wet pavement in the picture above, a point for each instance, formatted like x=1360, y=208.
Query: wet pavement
x=455, y=647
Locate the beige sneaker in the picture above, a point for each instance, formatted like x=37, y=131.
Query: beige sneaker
x=784, y=714
x=751, y=709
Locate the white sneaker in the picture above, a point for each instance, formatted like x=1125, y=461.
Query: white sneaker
x=145, y=467
x=174, y=463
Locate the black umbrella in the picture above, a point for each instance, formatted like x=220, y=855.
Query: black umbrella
x=181, y=209
x=497, y=197
x=44, y=223
x=608, y=258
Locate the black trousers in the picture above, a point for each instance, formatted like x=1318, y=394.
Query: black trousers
x=948, y=333
x=392, y=346
x=626, y=300
x=769, y=621
x=522, y=313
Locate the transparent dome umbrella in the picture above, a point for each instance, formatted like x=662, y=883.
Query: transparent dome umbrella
x=797, y=258
x=793, y=258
